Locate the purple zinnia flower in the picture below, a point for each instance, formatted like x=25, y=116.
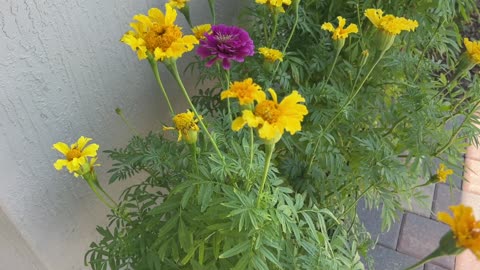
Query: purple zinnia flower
x=226, y=43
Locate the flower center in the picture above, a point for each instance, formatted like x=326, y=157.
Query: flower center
x=162, y=36
x=73, y=153
x=223, y=38
x=268, y=111
x=184, y=123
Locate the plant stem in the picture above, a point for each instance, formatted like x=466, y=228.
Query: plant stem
x=172, y=67
x=269, y=148
x=274, y=31
x=251, y=153
x=193, y=148
x=296, y=4
x=154, y=66
x=425, y=49
x=227, y=79
x=380, y=56
x=211, y=5
x=454, y=135
x=124, y=119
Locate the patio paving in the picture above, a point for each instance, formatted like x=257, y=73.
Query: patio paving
x=417, y=232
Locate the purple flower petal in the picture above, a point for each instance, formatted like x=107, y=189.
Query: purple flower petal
x=226, y=43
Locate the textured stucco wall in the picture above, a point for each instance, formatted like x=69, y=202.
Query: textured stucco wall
x=63, y=71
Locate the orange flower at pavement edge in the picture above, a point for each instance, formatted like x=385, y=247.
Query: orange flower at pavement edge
x=272, y=118
x=465, y=228
x=158, y=35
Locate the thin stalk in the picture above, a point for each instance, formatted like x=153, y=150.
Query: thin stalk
x=124, y=119
x=380, y=56
x=297, y=2
x=425, y=49
x=227, y=79
x=193, y=148
x=274, y=31
x=251, y=153
x=172, y=67
x=455, y=134
x=268, y=158
x=154, y=66
x=211, y=5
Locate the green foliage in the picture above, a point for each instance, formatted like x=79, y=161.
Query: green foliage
x=408, y=113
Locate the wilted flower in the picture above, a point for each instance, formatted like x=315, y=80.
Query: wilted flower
x=340, y=32
x=200, y=30
x=272, y=118
x=390, y=24
x=178, y=3
x=246, y=91
x=75, y=155
x=465, y=228
x=158, y=35
x=271, y=55
x=275, y=4
x=473, y=50
x=186, y=125
x=442, y=173
x=225, y=43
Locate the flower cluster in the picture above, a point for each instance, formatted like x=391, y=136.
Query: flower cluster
x=272, y=118
x=200, y=30
x=340, y=32
x=178, y=3
x=443, y=173
x=388, y=23
x=186, y=125
x=76, y=156
x=473, y=50
x=275, y=4
x=246, y=91
x=464, y=227
x=157, y=35
x=225, y=43
x=271, y=55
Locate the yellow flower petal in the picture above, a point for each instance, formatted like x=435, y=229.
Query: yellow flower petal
x=328, y=27
x=82, y=141
x=238, y=123
x=60, y=163
x=61, y=147
x=91, y=150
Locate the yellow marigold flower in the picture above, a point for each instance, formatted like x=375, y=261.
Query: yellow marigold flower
x=200, y=30
x=442, y=173
x=75, y=155
x=246, y=91
x=272, y=118
x=473, y=50
x=158, y=35
x=186, y=125
x=271, y=55
x=390, y=24
x=178, y=3
x=276, y=4
x=340, y=32
x=464, y=226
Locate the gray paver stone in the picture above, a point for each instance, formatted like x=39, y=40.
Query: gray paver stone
x=420, y=236
x=444, y=197
x=431, y=266
x=388, y=259
x=423, y=205
x=373, y=223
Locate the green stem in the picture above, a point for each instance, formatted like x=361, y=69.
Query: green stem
x=172, y=67
x=251, y=153
x=269, y=148
x=211, y=5
x=425, y=49
x=337, y=53
x=154, y=66
x=454, y=135
x=274, y=31
x=227, y=79
x=296, y=4
x=380, y=56
x=124, y=119
x=193, y=148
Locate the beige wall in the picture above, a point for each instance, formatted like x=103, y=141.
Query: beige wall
x=63, y=72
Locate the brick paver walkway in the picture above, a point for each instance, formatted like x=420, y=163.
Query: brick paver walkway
x=417, y=232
